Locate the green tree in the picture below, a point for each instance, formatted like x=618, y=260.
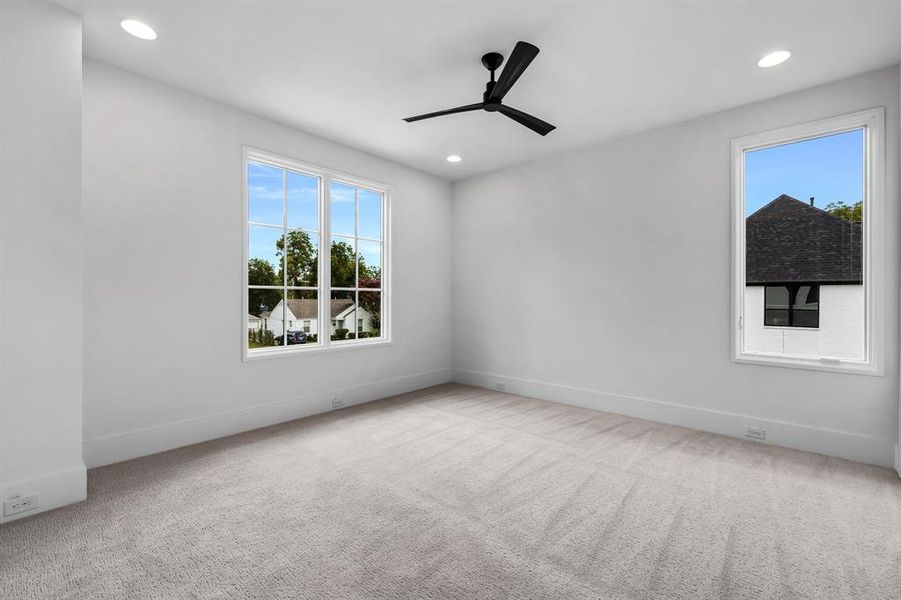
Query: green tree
x=261, y=301
x=261, y=272
x=301, y=264
x=369, y=273
x=848, y=212
x=343, y=264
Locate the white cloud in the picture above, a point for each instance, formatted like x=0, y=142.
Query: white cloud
x=261, y=192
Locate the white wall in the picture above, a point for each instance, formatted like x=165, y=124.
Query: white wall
x=40, y=254
x=839, y=335
x=163, y=233
x=635, y=233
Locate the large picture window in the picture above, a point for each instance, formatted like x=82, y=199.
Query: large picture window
x=807, y=245
x=297, y=214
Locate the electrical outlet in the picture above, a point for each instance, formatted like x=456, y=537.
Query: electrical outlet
x=19, y=504
x=337, y=403
x=499, y=386
x=758, y=433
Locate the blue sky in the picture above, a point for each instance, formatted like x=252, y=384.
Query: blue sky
x=828, y=168
x=266, y=204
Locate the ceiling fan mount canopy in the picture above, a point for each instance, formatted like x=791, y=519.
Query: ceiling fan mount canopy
x=492, y=61
x=522, y=56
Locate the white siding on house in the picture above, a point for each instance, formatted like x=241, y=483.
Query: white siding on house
x=840, y=334
x=274, y=321
x=350, y=318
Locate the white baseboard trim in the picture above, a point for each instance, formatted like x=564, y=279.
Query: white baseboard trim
x=117, y=447
x=54, y=490
x=898, y=459
x=842, y=444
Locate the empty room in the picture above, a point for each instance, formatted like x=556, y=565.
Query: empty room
x=450, y=299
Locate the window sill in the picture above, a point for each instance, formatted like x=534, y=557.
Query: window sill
x=848, y=366
x=787, y=328
x=262, y=354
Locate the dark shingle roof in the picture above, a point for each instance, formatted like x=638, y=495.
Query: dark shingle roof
x=307, y=308
x=790, y=241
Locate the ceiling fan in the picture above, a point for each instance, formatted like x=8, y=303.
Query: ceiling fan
x=523, y=54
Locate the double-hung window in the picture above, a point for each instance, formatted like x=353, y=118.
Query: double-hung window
x=315, y=262
x=808, y=242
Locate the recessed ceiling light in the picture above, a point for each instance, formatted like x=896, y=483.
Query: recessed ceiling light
x=774, y=58
x=453, y=158
x=138, y=29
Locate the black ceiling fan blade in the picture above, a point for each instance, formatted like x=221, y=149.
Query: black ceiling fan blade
x=534, y=123
x=523, y=55
x=450, y=111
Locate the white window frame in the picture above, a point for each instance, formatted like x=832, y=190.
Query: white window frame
x=873, y=124
x=326, y=176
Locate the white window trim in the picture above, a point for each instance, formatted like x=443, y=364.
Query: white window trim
x=326, y=176
x=873, y=123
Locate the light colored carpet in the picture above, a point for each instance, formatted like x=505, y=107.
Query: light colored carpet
x=458, y=492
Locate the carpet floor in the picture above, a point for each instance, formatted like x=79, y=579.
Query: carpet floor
x=459, y=492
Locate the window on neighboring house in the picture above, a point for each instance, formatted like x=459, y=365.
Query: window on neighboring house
x=295, y=215
x=791, y=305
x=808, y=245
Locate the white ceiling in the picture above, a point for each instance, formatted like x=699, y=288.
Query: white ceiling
x=349, y=71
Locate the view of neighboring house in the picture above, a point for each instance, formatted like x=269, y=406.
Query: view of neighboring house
x=301, y=314
x=254, y=323
x=804, y=292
